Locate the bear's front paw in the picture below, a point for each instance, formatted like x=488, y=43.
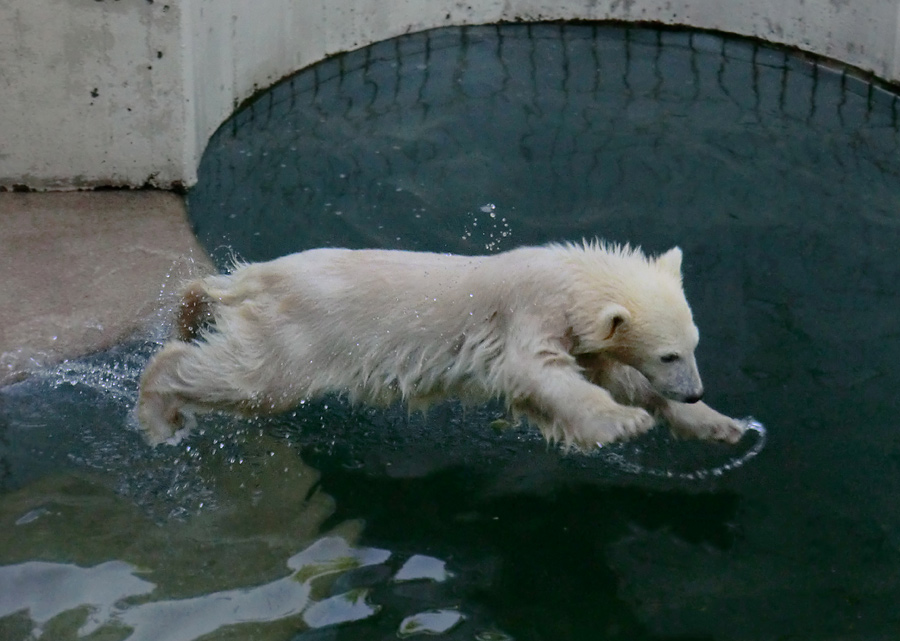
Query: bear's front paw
x=616, y=424
x=729, y=430
x=698, y=420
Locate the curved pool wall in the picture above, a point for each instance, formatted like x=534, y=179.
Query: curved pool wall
x=130, y=93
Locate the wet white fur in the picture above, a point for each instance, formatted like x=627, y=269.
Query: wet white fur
x=569, y=336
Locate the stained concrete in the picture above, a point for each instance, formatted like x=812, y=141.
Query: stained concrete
x=82, y=271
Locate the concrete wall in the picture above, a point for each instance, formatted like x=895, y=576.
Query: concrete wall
x=128, y=92
x=90, y=93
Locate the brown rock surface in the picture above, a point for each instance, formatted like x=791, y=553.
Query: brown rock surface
x=81, y=271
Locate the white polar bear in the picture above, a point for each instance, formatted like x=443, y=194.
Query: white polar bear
x=589, y=342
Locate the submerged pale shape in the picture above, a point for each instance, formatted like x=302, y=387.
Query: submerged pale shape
x=419, y=566
x=46, y=590
x=431, y=622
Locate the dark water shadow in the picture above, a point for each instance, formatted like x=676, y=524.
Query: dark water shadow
x=536, y=566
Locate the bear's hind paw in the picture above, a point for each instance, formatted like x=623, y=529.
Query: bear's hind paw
x=162, y=418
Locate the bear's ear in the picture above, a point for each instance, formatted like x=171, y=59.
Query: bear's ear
x=671, y=261
x=613, y=318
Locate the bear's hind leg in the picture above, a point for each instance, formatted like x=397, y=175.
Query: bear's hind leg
x=209, y=375
x=162, y=417
x=161, y=401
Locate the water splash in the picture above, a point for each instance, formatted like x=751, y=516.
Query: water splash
x=116, y=375
x=116, y=372
x=494, y=232
x=663, y=456
x=78, y=414
x=181, y=271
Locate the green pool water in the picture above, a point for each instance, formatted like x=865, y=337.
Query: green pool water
x=778, y=175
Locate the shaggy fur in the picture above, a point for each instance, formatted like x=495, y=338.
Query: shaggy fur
x=588, y=342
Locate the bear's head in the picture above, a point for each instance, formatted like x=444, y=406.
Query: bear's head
x=634, y=310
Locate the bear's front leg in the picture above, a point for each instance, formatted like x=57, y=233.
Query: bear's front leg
x=699, y=420
x=566, y=407
x=687, y=420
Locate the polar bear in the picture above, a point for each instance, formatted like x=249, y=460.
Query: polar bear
x=590, y=342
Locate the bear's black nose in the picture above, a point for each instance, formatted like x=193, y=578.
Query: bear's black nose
x=693, y=398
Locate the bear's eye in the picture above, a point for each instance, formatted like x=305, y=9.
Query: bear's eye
x=669, y=358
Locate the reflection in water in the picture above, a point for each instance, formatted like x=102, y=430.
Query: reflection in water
x=432, y=622
x=188, y=619
x=419, y=566
x=341, y=608
x=46, y=590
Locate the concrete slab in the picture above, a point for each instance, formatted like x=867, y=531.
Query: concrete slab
x=82, y=271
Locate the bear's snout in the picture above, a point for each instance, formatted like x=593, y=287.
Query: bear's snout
x=694, y=398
